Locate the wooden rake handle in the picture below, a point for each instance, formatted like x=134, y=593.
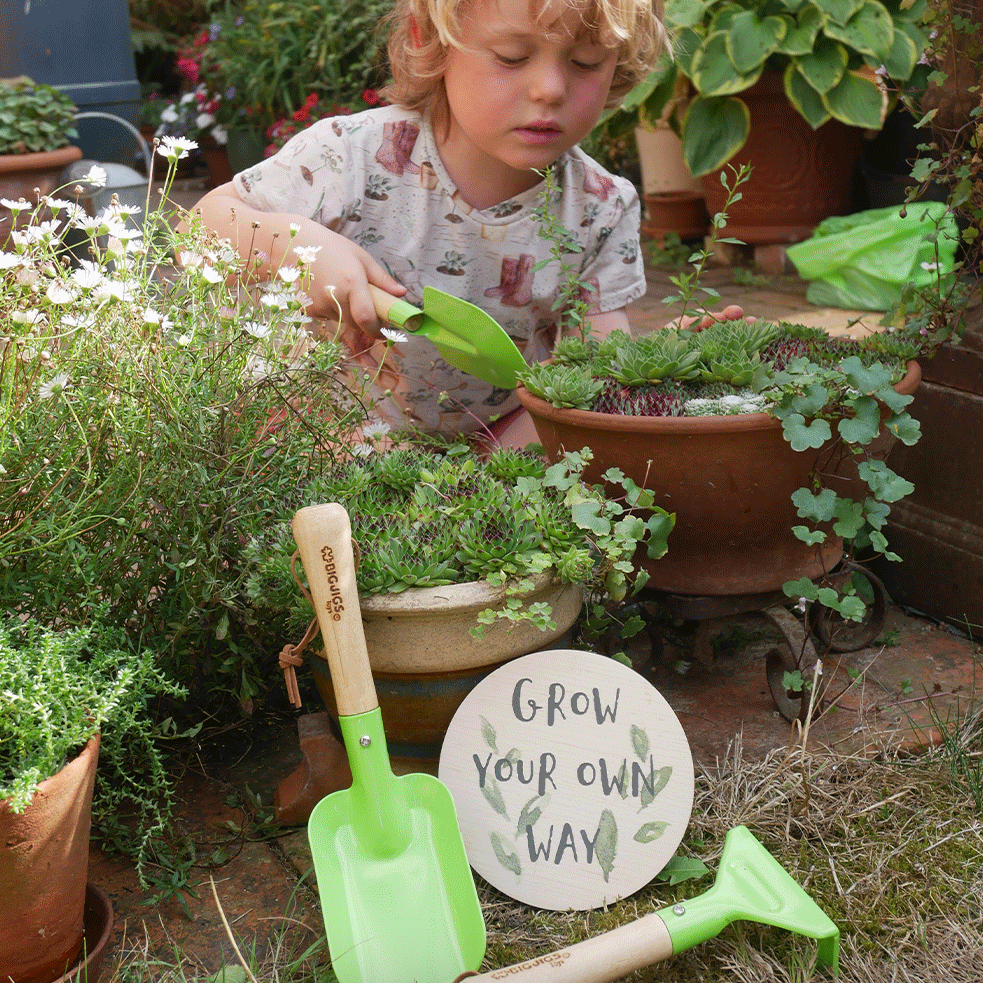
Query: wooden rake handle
x=324, y=538
x=604, y=958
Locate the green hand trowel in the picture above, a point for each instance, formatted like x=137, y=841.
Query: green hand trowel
x=398, y=899
x=466, y=337
x=751, y=886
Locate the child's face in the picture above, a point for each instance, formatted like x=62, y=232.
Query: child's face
x=519, y=96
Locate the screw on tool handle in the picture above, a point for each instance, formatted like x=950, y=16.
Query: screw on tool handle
x=324, y=537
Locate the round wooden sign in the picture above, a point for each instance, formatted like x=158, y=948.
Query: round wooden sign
x=572, y=778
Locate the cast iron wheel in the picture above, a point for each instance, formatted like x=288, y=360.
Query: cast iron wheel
x=794, y=653
x=840, y=635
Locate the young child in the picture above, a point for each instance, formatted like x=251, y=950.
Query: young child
x=439, y=188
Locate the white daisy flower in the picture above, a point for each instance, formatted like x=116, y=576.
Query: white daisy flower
x=88, y=275
x=256, y=328
x=32, y=316
x=362, y=450
x=306, y=255
x=394, y=336
x=377, y=429
x=288, y=274
x=53, y=386
x=15, y=206
x=210, y=275
x=183, y=340
x=204, y=120
x=9, y=260
x=97, y=176
x=59, y=292
x=175, y=148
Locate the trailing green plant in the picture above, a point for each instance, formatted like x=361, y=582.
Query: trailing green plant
x=60, y=687
x=431, y=517
x=826, y=52
x=156, y=415
x=34, y=117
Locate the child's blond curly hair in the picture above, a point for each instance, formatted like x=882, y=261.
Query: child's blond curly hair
x=422, y=31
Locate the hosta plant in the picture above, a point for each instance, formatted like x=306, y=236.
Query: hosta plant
x=428, y=517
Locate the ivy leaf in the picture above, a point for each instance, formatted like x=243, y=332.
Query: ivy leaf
x=802, y=435
x=886, y=485
x=849, y=518
x=607, y=842
x=809, y=536
x=864, y=426
x=507, y=857
x=650, y=831
x=587, y=516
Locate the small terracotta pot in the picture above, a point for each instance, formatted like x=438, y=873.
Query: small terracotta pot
x=728, y=479
x=20, y=174
x=44, y=863
x=98, y=928
x=682, y=212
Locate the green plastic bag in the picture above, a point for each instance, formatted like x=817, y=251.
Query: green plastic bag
x=863, y=260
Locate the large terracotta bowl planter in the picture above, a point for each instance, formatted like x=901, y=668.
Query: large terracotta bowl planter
x=729, y=479
x=44, y=862
x=425, y=660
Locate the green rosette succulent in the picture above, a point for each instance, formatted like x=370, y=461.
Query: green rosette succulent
x=496, y=541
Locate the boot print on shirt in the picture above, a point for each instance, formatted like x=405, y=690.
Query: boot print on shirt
x=398, y=141
x=515, y=288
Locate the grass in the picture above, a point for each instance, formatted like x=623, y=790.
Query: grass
x=891, y=848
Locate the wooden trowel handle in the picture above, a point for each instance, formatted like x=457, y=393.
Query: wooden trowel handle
x=324, y=537
x=598, y=960
x=394, y=310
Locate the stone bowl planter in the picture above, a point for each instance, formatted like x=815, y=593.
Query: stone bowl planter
x=425, y=660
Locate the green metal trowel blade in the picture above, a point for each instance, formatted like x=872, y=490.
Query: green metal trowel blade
x=751, y=886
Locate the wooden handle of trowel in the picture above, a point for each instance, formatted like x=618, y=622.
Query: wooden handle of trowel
x=324, y=538
x=598, y=960
x=394, y=310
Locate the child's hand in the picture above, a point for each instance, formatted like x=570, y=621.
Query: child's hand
x=340, y=278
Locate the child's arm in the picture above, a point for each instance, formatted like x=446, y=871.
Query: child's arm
x=341, y=271
x=601, y=325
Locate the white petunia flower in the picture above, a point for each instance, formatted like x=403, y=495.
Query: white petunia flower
x=204, y=121
x=220, y=134
x=53, y=386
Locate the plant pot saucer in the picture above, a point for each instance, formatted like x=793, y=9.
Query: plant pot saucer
x=97, y=929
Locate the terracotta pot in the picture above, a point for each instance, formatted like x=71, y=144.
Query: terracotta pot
x=800, y=175
x=20, y=174
x=97, y=930
x=682, y=212
x=425, y=661
x=729, y=480
x=44, y=861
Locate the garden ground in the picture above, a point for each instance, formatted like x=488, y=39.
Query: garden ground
x=251, y=879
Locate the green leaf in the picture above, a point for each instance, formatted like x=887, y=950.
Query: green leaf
x=824, y=66
x=606, y=842
x=649, y=832
x=713, y=130
x=713, y=72
x=885, y=484
x=820, y=506
x=906, y=428
x=493, y=795
x=802, y=435
x=681, y=869
x=870, y=30
x=800, y=33
x=810, y=537
x=864, y=425
x=640, y=742
x=507, y=857
x=751, y=40
x=855, y=101
x=849, y=518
